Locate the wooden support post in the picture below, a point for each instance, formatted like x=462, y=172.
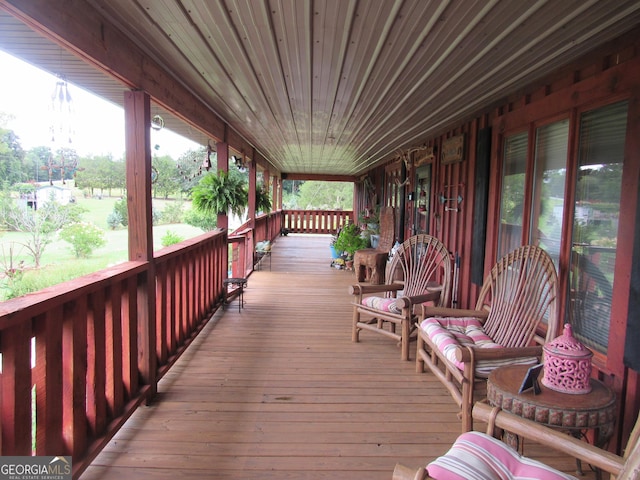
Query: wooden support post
x=138, y=175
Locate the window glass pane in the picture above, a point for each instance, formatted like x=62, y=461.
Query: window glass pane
x=596, y=213
x=512, y=196
x=549, y=185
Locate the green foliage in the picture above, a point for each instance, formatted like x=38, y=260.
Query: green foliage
x=199, y=219
x=12, y=167
x=349, y=240
x=263, y=201
x=120, y=207
x=188, y=169
x=168, y=181
x=172, y=212
x=221, y=193
x=40, y=225
x=83, y=237
x=326, y=195
x=25, y=188
x=114, y=220
x=101, y=172
x=171, y=238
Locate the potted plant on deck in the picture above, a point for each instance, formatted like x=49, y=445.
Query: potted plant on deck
x=349, y=240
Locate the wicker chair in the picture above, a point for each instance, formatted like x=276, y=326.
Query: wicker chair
x=370, y=262
x=419, y=271
x=626, y=467
x=459, y=345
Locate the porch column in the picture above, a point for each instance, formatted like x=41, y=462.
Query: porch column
x=253, y=182
x=138, y=177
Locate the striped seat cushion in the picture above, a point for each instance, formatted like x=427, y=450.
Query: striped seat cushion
x=447, y=333
x=384, y=304
x=478, y=456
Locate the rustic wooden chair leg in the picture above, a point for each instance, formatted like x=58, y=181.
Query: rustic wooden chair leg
x=406, y=327
x=419, y=360
x=467, y=397
x=355, y=331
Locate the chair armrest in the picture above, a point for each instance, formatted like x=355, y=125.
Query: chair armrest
x=464, y=354
x=555, y=439
x=363, y=289
x=402, y=472
x=429, y=311
x=406, y=302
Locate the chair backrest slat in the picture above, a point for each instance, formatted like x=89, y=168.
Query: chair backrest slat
x=423, y=261
x=521, y=291
x=387, y=229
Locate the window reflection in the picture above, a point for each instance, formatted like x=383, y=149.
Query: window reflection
x=595, y=225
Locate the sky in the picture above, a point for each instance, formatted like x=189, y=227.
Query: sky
x=97, y=125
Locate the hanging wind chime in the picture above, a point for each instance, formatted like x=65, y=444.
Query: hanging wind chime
x=62, y=132
x=189, y=174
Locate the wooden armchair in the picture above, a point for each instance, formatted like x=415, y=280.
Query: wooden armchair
x=418, y=272
x=459, y=345
x=370, y=262
x=626, y=467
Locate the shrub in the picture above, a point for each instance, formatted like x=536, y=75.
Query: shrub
x=83, y=237
x=114, y=220
x=172, y=212
x=199, y=219
x=121, y=207
x=171, y=238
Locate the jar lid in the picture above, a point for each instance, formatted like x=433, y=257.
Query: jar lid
x=566, y=345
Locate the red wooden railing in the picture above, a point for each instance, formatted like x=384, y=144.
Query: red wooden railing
x=243, y=241
x=315, y=221
x=86, y=353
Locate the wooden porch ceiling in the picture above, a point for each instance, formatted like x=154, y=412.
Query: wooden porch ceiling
x=279, y=391
x=321, y=86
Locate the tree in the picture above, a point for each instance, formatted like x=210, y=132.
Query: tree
x=326, y=195
x=36, y=161
x=12, y=167
x=41, y=224
x=168, y=181
x=189, y=169
x=101, y=172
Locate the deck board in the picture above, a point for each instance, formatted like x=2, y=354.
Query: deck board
x=279, y=391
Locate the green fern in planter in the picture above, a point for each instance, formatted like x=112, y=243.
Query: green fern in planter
x=220, y=193
x=263, y=201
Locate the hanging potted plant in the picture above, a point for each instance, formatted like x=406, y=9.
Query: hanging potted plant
x=220, y=193
x=263, y=201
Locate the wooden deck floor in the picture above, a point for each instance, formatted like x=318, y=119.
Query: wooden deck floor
x=279, y=391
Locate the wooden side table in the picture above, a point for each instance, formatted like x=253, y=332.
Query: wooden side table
x=576, y=414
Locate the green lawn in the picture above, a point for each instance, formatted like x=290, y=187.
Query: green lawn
x=58, y=262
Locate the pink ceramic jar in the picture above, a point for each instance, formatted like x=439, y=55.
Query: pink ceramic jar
x=567, y=364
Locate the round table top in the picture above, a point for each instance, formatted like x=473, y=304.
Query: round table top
x=578, y=411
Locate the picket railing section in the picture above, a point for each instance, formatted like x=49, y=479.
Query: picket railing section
x=79, y=357
x=315, y=221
